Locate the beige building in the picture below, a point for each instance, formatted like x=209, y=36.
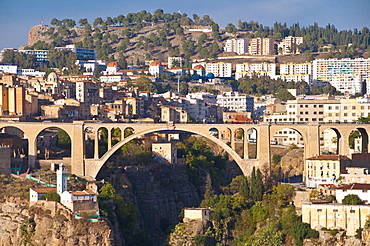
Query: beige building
x=289, y=45
x=356, y=175
x=165, y=152
x=336, y=216
x=174, y=114
x=174, y=61
x=197, y=214
x=324, y=169
x=261, y=46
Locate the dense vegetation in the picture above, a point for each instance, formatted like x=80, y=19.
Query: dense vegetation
x=252, y=215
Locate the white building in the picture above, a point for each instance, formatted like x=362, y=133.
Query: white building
x=219, y=69
x=260, y=69
x=239, y=46
x=362, y=190
x=7, y=68
x=234, y=101
x=289, y=45
x=165, y=152
x=205, y=96
x=346, y=74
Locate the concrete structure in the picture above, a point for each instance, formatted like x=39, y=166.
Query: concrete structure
x=324, y=169
x=289, y=45
x=197, y=214
x=174, y=61
x=336, y=216
x=8, y=68
x=234, y=101
x=62, y=175
x=259, y=69
x=89, y=167
x=261, y=46
x=82, y=53
x=218, y=69
x=165, y=152
x=239, y=46
x=36, y=194
x=173, y=114
x=347, y=75
x=361, y=190
x=356, y=175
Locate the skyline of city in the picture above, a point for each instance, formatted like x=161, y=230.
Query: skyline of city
x=16, y=18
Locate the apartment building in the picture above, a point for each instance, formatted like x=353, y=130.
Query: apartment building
x=234, y=101
x=289, y=45
x=219, y=69
x=239, y=46
x=324, y=169
x=260, y=69
x=87, y=91
x=261, y=46
x=173, y=114
x=346, y=75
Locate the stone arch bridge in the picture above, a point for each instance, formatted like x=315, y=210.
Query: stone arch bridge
x=90, y=167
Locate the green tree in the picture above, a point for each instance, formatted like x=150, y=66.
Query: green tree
x=209, y=190
x=352, y=199
x=284, y=95
x=63, y=139
x=98, y=21
x=230, y=28
x=256, y=185
x=51, y=196
x=83, y=22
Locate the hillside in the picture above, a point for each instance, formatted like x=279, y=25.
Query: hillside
x=145, y=36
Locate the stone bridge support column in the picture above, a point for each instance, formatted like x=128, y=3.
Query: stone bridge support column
x=78, y=149
x=232, y=140
x=312, y=144
x=109, y=138
x=263, y=146
x=96, y=144
x=246, y=145
x=344, y=143
x=32, y=150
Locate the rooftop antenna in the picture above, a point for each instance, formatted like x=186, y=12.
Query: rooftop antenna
x=42, y=20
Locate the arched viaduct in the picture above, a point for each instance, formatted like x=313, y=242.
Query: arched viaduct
x=89, y=167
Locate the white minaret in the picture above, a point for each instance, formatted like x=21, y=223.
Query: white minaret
x=62, y=175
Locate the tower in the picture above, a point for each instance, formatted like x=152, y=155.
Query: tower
x=62, y=175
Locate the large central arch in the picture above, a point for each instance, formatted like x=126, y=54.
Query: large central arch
x=93, y=166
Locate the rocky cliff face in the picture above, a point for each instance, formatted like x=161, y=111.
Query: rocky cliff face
x=49, y=223
x=160, y=193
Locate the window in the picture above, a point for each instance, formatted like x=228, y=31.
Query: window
x=319, y=210
x=345, y=107
x=335, y=210
x=352, y=211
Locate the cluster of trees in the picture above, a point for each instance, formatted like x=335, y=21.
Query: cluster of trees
x=200, y=158
x=261, y=85
x=122, y=215
x=258, y=215
x=314, y=36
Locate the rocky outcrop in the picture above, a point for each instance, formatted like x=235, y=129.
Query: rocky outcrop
x=184, y=233
x=49, y=223
x=293, y=162
x=160, y=193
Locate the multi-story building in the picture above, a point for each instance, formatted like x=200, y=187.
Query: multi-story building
x=289, y=45
x=7, y=68
x=234, y=101
x=87, y=91
x=174, y=61
x=219, y=69
x=197, y=109
x=260, y=69
x=165, y=152
x=41, y=55
x=261, y=46
x=174, y=114
x=347, y=75
x=324, y=169
x=82, y=53
x=239, y=46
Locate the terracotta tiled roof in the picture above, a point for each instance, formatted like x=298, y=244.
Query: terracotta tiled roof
x=43, y=190
x=355, y=187
x=83, y=193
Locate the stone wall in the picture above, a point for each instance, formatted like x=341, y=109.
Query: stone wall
x=5, y=160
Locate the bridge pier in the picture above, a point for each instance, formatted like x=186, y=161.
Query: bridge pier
x=245, y=145
x=78, y=149
x=96, y=144
x=263, y=147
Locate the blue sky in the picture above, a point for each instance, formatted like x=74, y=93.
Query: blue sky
x=18, y=16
